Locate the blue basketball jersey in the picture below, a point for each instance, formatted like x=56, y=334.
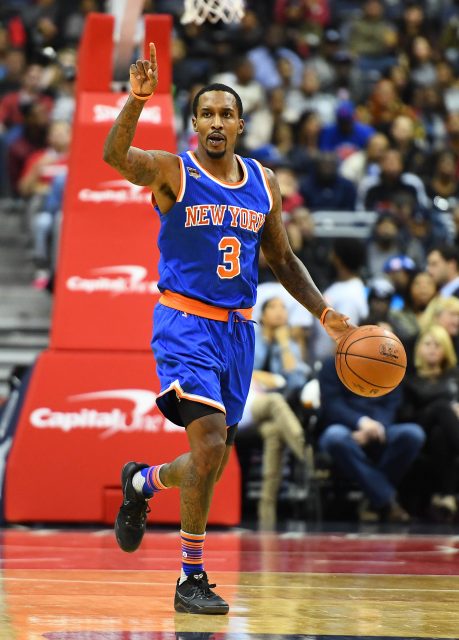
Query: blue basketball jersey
x=210, y=239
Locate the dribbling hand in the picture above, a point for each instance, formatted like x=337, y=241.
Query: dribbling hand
x=143, y=75
x=337, y=325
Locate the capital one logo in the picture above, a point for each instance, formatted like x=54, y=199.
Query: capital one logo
x=109, y=112
x=140, y=416
x=117, y=280
x=117, y=192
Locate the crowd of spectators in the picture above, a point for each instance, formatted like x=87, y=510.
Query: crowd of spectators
x=355, y=106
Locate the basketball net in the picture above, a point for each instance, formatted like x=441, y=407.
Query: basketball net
x=198, y=11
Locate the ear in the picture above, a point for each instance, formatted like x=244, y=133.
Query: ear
x=194, y=122
x=241, y=126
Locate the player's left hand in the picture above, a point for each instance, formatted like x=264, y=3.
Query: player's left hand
x=337, y=325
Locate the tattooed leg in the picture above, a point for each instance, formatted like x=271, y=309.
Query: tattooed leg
x=195, y=473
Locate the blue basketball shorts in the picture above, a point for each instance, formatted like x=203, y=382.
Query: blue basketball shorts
x=202, y=360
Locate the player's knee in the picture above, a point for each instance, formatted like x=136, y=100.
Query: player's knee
x=209, y=453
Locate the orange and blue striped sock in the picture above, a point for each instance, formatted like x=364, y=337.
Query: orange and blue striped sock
x=147, y=481
x=192, y=552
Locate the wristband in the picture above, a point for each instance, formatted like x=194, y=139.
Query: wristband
x=136, y=95
x=323, y=314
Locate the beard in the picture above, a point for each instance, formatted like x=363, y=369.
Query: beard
x=215, y=155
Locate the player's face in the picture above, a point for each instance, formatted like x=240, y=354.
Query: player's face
x=217, y=122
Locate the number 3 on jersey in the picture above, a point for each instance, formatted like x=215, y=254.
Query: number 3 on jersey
x=231, y=266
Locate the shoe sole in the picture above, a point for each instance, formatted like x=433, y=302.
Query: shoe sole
x=181, y=607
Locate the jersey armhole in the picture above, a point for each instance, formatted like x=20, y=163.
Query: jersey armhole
x=266, y=184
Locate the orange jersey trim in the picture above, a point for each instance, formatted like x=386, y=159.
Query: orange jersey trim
x=231, y=185
x=181, y=191
x=269, y=191
x=198, y=308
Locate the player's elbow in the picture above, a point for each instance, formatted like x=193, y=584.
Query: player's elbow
x=108, y=155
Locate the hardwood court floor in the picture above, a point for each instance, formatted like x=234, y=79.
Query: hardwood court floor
x=77, y=585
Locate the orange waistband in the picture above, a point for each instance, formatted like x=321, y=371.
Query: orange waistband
x=198, y=308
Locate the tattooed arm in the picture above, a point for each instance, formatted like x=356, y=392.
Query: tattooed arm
x=290, y=271
x=159, y=170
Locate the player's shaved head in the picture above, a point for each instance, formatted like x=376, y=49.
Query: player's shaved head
x=216, y=86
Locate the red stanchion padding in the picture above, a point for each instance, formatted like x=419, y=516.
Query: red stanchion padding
x=108, y=261
x=158, y=30
x=95, y=54
x=85, y=415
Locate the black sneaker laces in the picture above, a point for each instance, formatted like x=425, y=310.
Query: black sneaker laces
x=203, y=584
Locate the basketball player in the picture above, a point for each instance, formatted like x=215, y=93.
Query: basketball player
x=216, y=209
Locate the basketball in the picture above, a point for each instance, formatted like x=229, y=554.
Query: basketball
x=370, y=361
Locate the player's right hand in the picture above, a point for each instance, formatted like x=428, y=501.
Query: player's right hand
x=143, y=75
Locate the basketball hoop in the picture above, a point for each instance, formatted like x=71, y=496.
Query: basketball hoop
x=198, y=11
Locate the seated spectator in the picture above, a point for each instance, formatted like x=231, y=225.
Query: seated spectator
x=399, y=270
x=380, y=294
x=346, y=135
x=15, y=64
x=324, y=189
x=440, y=311
x=45, y=231
x=308, y=97
x=242, y=79
x=383, y=106
x=413, y=153
x=424, y=231
x=306, y=144
x=373, y=38
x=289, y=189
x=312, y=251
x=349, y=84
x=378, y=193
x=447, y=85
x=413, y=24
x=432, y=116
x=73, y=24
x=11, y=104
x=304, y=13
x=365, y=162
x=42, y=166
x=32, y=138
x=385, y=242
x=422, y=67
x=443, y=266
x=64, y=103
x=366, y=443
x=268, y=414
x=264, y=57
x=277, y=352
x=443, y=182
x=347, y=292
x=420, y=292
x=431, y=398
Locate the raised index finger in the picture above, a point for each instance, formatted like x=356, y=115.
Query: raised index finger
x=152, y=53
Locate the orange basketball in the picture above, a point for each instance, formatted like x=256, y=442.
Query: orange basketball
x=370, y=361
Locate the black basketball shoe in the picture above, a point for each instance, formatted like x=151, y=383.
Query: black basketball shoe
x=131, y=520
x=195, y=595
